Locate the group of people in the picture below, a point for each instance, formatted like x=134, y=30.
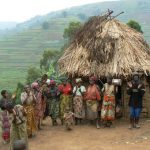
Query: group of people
x=69, y=103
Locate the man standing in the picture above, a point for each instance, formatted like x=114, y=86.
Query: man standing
x=136, y=90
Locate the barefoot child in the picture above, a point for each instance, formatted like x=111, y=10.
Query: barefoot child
x=69, y=119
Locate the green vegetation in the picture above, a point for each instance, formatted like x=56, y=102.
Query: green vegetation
x=23, y=47
x=70, y=31
x=19, y=90
x=49, y=57
x=135, y=25
x=33, y=74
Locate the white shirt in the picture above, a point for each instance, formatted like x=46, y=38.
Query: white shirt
x=76, y=90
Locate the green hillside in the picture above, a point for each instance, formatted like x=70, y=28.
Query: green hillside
x=23, y=49
x=23, y=46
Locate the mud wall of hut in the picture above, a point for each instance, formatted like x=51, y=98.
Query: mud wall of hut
x=146, y=101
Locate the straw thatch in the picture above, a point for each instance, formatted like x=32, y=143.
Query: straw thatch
x=105, y=46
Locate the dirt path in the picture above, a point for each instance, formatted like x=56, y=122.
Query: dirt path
x=87, y=137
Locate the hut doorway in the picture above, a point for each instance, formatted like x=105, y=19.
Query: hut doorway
x=119, y=102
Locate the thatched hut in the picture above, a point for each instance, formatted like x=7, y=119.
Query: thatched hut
x=106, y=46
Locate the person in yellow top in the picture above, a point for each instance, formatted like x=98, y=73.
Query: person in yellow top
x=28, y=102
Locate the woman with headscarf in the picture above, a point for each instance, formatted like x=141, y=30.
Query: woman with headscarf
x=39, y=114
x=28, y=100
x=92, y=98
x=108, y=105
x=18, y=129
x=53, y=101
x=136, y=90
x=78, y=106
x=65, y=98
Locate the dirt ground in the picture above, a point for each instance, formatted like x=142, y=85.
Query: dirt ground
x=87, y=137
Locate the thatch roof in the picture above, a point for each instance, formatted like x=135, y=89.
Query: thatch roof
x=105, y=46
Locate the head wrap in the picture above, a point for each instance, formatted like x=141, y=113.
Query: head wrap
x=52, y=82
x=34, y=85
x=78, y=80
x=48, y=81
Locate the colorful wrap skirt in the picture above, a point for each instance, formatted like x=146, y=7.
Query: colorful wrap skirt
x=31, y=123
x=53, y=106
x=65, y=101
x=108, y=108
x=91, y=109
x=18, y=132
x=78, y=107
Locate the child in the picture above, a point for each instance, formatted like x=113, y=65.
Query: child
x=19, y=145
x=69, y=119
x=5, y=117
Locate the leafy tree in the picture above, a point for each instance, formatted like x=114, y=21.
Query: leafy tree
x=33, y=74
x=71, y=30
x=45, y=25
x=135, y=25
x=49, y=57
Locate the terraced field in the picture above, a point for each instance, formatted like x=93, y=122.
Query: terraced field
x=25, y=49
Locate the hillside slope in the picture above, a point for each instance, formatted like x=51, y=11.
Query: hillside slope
x=23, y=46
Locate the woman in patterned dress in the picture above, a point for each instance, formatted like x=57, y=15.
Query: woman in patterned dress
x=92, y=98
x=108, y=106
x=65, y=98
x=28, y=100
x=53, y=102
x=78, y=105
x=39, y=114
